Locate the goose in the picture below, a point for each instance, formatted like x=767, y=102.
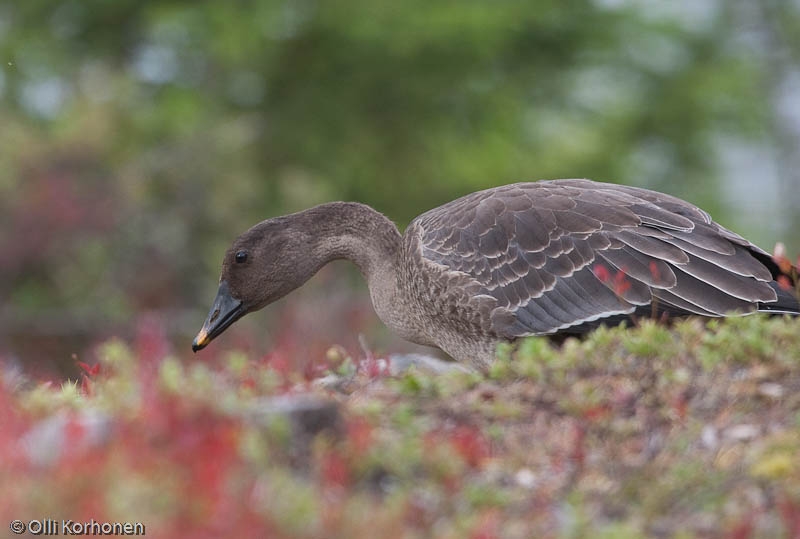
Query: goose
x=545, y=258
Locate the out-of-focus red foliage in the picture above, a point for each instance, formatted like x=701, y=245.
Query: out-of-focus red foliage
x=466, y=441
x=488, y=526
x=166, y=445
x=335, y=470
x=790, y=513
x=12, y=425
x=54, y=208
x=170, y=446
x=360, y=436
x=471, y=444
x=578, y=451
x=789, y=279
x=742, y=529
x=151, y=344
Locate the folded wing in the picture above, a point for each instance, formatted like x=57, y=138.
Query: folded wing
x=563, y=255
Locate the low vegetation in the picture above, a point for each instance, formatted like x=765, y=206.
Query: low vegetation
x=688, y=430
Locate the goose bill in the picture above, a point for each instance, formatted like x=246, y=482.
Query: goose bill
x=225, y=311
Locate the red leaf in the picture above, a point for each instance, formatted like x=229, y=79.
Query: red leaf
x=279, y=363
x=790, y=514
x=334, y=470
x=470, y=443
x=359, y=433
x=578, y=453
x=86, y=385
x=596, y=412
x=681, y=405
x=743, y=529
x=375, y=368
x=784, y=282
x=488, y=526
x=94, y=370
x=780, y=258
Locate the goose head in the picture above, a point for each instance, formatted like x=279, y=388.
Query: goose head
x=261, y=266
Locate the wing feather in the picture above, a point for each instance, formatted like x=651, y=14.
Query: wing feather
x=741, y=263
x=532, y=250
x=655, y=272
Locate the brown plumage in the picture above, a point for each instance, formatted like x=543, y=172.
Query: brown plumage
x=540, y=258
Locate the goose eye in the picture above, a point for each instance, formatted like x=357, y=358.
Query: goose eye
x=241, y=257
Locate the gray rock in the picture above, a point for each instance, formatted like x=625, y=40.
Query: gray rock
x=399, y=363
x=50, y=438
x=307, y=416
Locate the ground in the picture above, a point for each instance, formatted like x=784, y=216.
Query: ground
x=690, y=430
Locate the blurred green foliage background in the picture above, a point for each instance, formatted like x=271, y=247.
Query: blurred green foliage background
x=137, y=138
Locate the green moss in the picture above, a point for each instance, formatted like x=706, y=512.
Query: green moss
x=415, y=383
x=630, y=432
x=537, y=348
x=279, y=430
x=70, y=395
x=237, y=362
x=456, y=382
x=480, y=496
x=291, y=503
x=617, y=530
x=650, y=340
x=502, y=369
x=116, y=354
x=171, y=375
x=44, y=399
x=403, y=415
x=738, y=339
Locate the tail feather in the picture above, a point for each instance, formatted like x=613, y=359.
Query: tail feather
x=788, y=302
x=785, y=283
